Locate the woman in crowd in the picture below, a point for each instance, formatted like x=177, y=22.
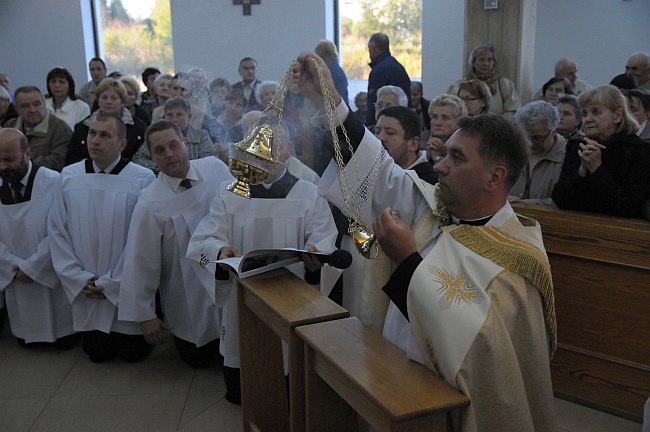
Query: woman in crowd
x=638, y=101
x=570, y=126
x=61, y=100
x=483, y=66
x=476, y=95
x=219, y=88
x=163, y=88
x=554, y=88
x=444, y=110
x=608, y=171
x=111, y=98
x=264, y=93
x=132, y=91
x=361, y=102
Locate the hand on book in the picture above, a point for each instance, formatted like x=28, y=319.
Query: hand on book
x=228, y=252
x=312, y=263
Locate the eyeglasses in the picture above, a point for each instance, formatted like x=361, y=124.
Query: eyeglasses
x=381, y=105
x=537, y=139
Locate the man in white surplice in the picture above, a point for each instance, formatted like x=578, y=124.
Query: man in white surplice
x=37, y=307
x=164, y=218
x=88, y=229
x=469, y=281
x=283, y=212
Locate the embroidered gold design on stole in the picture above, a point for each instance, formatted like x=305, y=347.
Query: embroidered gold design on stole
x=516, y=255
x=455, y=288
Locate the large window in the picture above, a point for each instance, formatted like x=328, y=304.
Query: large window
x=137, y=34
x=401, y=20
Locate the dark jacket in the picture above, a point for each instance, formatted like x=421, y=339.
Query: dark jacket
x=339, y=78
x=78, y=149
x=619, y=187
x=425, y=171
x=385, y=71
x=252, y=100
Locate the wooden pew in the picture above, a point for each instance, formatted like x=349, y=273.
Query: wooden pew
x=601, y=274
x=271, y=306
x=352, y=369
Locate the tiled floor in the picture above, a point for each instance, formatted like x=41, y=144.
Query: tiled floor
x=50, y=391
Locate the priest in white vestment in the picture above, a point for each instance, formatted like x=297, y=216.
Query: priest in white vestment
x=469, y=281
x=37, y=307
x=283, y=212
x=88, y=231
x=164, y=218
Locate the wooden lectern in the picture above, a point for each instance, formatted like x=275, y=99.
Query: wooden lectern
x=352, y=369
x=271, y=306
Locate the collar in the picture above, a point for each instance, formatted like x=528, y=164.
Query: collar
x=499, y=218
x=422, y=157
x=379, y=58
x=175, y=182
x=38, y=130
x=109, y=168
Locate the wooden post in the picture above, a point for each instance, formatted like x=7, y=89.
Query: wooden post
x=271, y=306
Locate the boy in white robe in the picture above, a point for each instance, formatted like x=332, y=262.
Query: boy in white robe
x=472, y=303
x=283, y=212
x=37, y=307
x=164, y=218
x=88, y=229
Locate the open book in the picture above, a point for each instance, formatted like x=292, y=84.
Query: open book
x=264, y=260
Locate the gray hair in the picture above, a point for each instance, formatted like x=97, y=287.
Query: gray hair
x=178, y=102
x=449, y=100
x=160, y=78
x=536, y=112
x=263, y=85
x=394, y=90
x=573, y=101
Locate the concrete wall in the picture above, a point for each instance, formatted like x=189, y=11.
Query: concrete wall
x=38, y=35
x=275, y=33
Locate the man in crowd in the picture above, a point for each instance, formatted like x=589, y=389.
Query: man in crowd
x=37, y=306
x=638, y=66
x=48, y=136
x=164, y=218
x=97, y=69
x=148, y=98
x=197, y=141
x=88, y=229
x=458, y=291
x=386, y=70
x=248, y=72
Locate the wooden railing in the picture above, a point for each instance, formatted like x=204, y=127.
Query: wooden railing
x=601, y=276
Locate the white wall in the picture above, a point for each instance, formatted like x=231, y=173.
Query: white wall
x=442, y=44
x=599, y=34
x=37, y=35
x=275, y=33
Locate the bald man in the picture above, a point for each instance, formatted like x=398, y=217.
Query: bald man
x=37, y=306
x=638, y=66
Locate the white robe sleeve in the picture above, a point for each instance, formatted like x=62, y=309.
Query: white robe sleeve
x=208, y=238
x=142, y=267
x=7, y=263
x=73, y=277
x=39, y=266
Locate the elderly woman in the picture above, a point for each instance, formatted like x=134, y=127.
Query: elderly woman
x=132, y=92
x=570, y=126
x=264, y=93
x=476, y=95
x=444, y=110
x=111, y=98
x=540, y=120
x=483, y=66
x=608, y=171
x=638, y=101
x=554, y=88
x=163, y=88
x=62, y=101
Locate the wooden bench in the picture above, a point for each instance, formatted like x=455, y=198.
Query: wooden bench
x=352, y=369
x=601, y=275
x=271, y=306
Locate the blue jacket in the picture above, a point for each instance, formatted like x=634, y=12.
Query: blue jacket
x=386, y=70
x=339, y=78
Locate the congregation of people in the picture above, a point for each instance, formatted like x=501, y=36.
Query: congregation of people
x=114, y=209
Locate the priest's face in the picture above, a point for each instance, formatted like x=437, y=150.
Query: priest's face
x=13, y=160
x=463, y=176
x=169, y=152
x=104, y=142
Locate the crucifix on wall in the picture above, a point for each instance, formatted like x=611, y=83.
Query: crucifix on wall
x=246, y=4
